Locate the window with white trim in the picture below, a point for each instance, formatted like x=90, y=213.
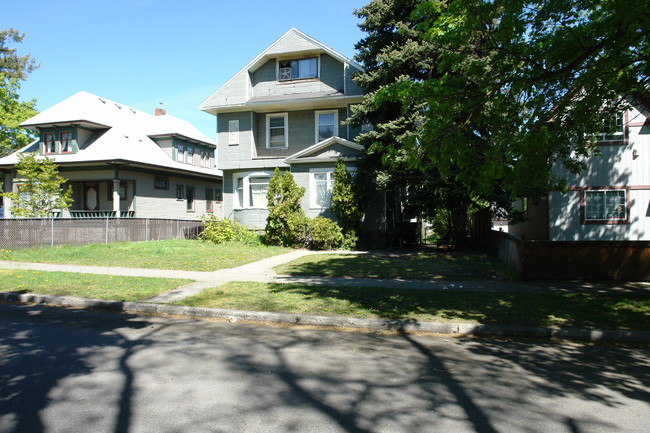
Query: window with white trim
x=297, y=69
x=277, y=130
x=605, y=205
x=320, y=187
x=613, y=128
x=250, y=190
x=326, y=124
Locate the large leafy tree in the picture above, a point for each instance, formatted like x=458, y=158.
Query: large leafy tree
x=13, y=70
x=521, y=86
x=40, y=188
x=395, y=50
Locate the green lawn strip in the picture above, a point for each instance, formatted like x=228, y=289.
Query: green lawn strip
x=180, y=254
x=413, y=266
x=582, y=310
x=108, y=287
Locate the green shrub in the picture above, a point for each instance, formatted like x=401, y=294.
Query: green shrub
x=286, y=223
x=324, y=234
x=220, y=231
x=346, y=204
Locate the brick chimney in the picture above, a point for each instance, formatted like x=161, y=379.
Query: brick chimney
x=160, y=111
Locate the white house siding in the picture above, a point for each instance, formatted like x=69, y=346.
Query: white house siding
x=616, y=168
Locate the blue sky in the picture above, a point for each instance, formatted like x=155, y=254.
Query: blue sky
x=142, y=52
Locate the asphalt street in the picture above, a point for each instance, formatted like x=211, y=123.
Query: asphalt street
x=85, y=371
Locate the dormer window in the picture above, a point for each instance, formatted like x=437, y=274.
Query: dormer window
x=66, y=142
x=297, y=69
x=49, y=143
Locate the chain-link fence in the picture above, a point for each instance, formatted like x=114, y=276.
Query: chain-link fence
x=17, y=233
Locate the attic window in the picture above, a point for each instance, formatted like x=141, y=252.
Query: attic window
x=297, y=69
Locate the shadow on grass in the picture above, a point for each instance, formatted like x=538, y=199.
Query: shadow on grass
x=567, y=310
x=413, y=265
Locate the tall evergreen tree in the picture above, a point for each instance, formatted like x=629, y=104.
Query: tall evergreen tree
x=394, y=50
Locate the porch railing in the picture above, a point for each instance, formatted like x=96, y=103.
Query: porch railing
x=100, y=214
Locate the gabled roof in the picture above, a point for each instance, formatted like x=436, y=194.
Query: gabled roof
x=121, y=133
x=317, y=152
x=292, y=42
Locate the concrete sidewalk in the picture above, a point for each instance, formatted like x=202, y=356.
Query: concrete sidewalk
x=262, y=271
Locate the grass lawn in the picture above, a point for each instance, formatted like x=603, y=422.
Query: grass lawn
x=108, y=287
x=181, y=254
x=409, y=265
x=564, y=310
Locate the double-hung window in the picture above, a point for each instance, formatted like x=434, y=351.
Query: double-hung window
x=189, y=198
x=321, y=182
x=209, y=199
x=605, y=205
x=49, y=143
x=326, y=124
x=297, y=69
x=258, y=187
x=251, y=190
x=180, y=153
x=66, y=142
x=277, y=130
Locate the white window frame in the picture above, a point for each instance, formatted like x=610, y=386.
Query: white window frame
x=618, y=119
x=286, y=130
x=607, y=217
x=330, y=184
x=242, y=189
x=317, y=124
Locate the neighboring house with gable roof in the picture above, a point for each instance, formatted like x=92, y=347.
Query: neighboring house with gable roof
x=122, y=162
x=286, y=109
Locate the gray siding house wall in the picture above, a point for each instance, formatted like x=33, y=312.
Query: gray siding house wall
x=260, y=93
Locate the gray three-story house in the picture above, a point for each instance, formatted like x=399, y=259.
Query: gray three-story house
x=285, y=109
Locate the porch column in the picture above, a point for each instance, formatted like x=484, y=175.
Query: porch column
x=116, y=197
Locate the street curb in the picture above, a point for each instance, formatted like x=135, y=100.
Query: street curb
x=334, y=322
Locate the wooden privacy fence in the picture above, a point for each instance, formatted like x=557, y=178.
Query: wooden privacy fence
x=17, y=233
x=573, y=260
